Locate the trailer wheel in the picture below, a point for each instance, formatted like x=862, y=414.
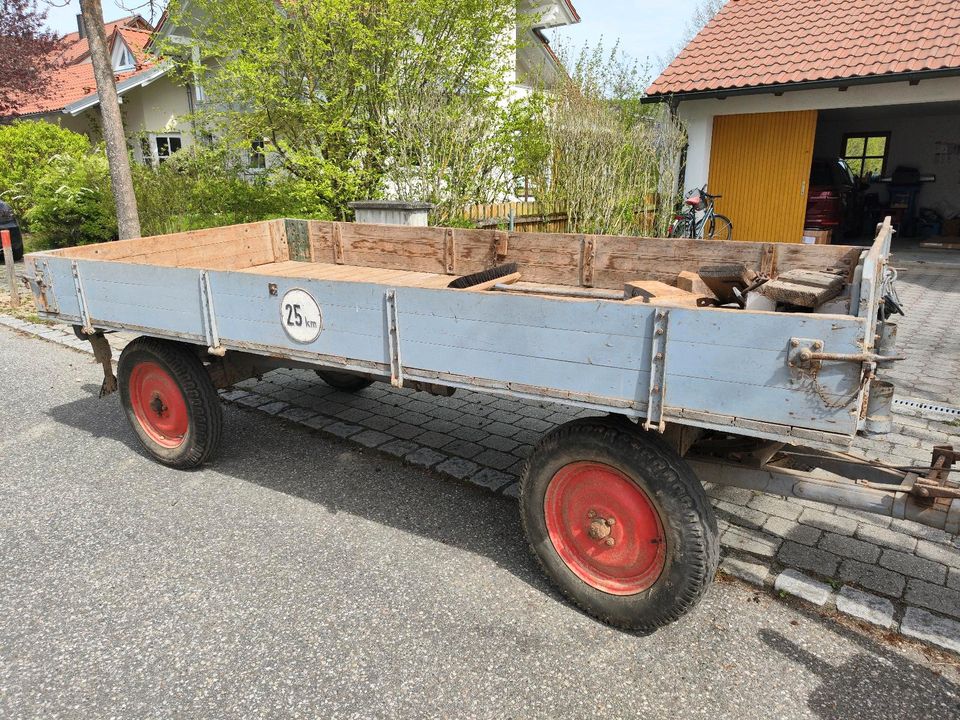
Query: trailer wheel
x=170, y=401
x=619, y=522
x=348, y=382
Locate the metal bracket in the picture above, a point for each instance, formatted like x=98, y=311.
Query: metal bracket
x=658, y=376
x=81, y=300
x=807, y=354
x=393, y=338
x=210, y=330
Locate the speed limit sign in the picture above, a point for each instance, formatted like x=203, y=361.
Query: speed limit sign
x=300, y=316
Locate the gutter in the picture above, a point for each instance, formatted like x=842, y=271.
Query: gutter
x=838, y=83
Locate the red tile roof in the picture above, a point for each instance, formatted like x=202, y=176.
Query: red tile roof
x=758, y=43
x=74, y=80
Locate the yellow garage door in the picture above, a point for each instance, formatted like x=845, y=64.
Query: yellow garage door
x=761, y=165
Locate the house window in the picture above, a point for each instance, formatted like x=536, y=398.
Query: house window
x=167, y=145
x=866, y=153
x=258, y=158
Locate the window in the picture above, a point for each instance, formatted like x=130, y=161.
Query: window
x=167, y=145
x=258, y=159
x=866, y=153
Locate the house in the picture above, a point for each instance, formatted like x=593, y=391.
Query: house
x=768, y=87
x=152, y=104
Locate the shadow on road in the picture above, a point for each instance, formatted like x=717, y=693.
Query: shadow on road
x=879, y=679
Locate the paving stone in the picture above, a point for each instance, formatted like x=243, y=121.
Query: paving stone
x=502, y=429
x=434, y=439
x=887, y=538
x=342, y=429
x=732, y=495
x=353, y=415
x=802, y=586
x=441, y=426
x=775, y=506
x=828, y=521
x=748, y=570
x=378, y=422
x=371, y=438
x=920, y=531
x=512, y=490
x=789, y=530
x=751, y=541
x=274, y=408
x=405, y=431
x=234, y=395
x=807, y=558
x=254, y=401
x=425, y=457
x=457, y=467
x=913, y=566
x=318, y=422
x=534, y=423
x=865, y=517
x=848, y=547
x=873, y=577
x=495, y=459
x=469, y=434
x=944, y=554
x=398, y=448
x=930, y=628
x=497, y=442
x=464, y=449
x=953, y=579
x=492, y=479
x=297, y=414
x=740, y=515
x=864, y=606
x=934, y=597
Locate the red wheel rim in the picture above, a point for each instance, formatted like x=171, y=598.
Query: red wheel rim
x=158, y=404
x=605, y=528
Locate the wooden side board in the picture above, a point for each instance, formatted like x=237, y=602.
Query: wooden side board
x=599, y=261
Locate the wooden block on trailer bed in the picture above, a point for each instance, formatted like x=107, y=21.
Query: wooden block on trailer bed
x=804, y=288
x=655, y=292
x=691, y=282
x=722, y=279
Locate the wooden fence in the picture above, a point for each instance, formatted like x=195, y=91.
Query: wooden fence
x=518, y=216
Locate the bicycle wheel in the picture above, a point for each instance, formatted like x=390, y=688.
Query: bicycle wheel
x=719, y=227
x=680, y=228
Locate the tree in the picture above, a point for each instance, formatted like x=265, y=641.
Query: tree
x=361, y=97
x=702, y=14
x=128, y=219
x=27, y=52
x=609, y=161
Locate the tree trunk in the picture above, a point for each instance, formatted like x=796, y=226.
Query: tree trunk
x=128, y=219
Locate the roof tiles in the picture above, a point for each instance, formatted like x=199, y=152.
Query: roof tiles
x=756, y=43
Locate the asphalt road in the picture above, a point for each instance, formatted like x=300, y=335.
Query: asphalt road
x=300, y=577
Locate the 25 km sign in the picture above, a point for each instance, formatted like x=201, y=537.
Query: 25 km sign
x=300, y=316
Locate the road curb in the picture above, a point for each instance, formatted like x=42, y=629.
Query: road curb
x=739, y=560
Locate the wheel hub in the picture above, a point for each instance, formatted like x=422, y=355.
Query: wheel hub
x=158, y=404
x=605, y=528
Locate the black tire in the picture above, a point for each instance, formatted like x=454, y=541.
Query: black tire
x=689, y=528
x=720, y=228
x=348, y=382
x=680, y=228
x=185, y=373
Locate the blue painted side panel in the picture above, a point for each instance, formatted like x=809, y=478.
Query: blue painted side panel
x=724, y=362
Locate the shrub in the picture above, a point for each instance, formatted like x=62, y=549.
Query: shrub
x=201, y=187
x=72, y=202
x=26, y=148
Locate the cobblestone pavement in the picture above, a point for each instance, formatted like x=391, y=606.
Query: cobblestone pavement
x=888, y=572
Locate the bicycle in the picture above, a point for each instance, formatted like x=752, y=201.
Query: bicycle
x=709, y=226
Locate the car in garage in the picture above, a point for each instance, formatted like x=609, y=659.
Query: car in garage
x=8, y=221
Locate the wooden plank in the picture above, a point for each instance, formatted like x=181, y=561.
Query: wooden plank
x=805, y=288
x=588, y=258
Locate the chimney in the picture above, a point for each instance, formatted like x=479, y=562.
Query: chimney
x=80, y=28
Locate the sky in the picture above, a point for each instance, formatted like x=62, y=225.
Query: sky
x=644, y=28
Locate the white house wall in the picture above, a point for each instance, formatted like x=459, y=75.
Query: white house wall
x=698, y=114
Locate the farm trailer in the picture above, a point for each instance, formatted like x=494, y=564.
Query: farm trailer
x=612, y=506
